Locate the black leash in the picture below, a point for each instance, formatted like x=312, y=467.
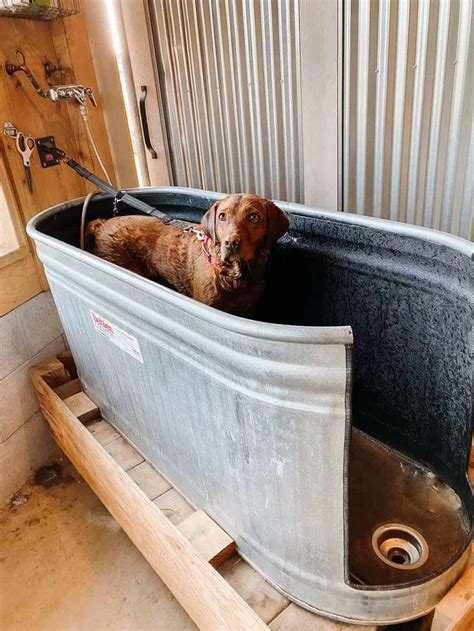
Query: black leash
x=120, y=196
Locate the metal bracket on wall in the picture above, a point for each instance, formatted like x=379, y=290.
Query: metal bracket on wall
x=47, y=151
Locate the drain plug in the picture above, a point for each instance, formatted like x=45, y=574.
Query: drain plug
x=400, y=546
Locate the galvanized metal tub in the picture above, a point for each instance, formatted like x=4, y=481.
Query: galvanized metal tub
x=343, y=409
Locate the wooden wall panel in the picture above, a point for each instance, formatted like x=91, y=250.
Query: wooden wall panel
x=19, y=277
x=64, y=42
x=33, y=115
x=71, y=43
x=18, y=282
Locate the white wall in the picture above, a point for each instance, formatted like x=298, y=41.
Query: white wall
x=28, y=334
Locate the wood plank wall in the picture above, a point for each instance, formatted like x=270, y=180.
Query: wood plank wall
x=65, y=42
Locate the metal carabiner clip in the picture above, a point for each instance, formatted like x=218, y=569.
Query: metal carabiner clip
x=117, y=199
x=10, y=130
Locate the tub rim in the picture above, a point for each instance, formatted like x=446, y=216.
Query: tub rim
x=237, y=324
x=251, y=328
x=454, y=242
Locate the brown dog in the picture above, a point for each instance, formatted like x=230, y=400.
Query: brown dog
x=225, y=271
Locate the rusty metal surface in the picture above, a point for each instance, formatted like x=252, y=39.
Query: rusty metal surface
x=386, y=487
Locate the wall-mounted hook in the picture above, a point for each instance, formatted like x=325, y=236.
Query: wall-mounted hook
x=12, y=68
x=51, y=69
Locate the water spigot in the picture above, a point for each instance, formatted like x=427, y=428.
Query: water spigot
x=77, y=92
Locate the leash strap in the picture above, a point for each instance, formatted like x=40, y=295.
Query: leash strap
x=130, y=200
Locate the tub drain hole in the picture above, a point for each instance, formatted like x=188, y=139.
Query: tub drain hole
x=399, y=557
x=400, y=546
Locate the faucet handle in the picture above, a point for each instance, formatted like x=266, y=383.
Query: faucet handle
x=77, y=92
x=89, y=92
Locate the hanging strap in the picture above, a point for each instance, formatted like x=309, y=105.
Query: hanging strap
x=130, y=200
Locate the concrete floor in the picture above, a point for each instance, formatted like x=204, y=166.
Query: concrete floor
x=65, y=564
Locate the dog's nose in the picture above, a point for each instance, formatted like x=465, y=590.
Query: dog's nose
x=232, y=242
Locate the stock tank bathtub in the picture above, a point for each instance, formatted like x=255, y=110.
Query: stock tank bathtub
x=329, y=436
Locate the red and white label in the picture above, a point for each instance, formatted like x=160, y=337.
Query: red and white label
x=117, y=336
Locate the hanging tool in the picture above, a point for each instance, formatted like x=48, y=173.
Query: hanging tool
x=25, y=146
x=11, y=68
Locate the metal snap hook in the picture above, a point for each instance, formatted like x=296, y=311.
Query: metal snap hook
x=20, y=57
x=117, y=199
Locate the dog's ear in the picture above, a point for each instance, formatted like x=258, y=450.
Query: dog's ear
x=277, y=224
x=208, y=222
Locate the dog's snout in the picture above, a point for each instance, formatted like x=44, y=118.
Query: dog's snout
x=233, y=242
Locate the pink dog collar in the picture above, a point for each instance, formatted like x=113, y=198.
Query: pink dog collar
x=209, y=258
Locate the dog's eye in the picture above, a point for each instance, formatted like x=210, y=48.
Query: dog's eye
x=221, y=216
x=254, y=217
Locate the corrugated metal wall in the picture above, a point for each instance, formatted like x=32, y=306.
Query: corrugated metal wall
x=230, y=79
x=229, y=70
x=408, y=145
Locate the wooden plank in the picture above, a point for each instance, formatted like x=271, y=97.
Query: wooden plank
x=451, y=610
x=68, y=389
x=149, y=480
x=71, y=44
x=11, y=232
x=123, y=453
x=35, y=116
x=174, y=506
x=213, y=543
x=264, y=599
x=103, y=432
x=205, y=595
x=67, y=359
x=18, y=283
x=19, y=277
x=294, y=617
x=12, y=255
x=209, y=539
x=465, y=620
x=82, y=407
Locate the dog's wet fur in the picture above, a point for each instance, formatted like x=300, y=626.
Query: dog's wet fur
x=240, y=231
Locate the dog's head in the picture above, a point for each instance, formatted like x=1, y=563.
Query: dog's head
x=244, y=227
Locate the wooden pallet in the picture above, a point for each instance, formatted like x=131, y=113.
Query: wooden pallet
x=194, y=557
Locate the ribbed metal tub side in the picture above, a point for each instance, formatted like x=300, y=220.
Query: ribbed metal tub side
x=250, y=420
x=251, y=428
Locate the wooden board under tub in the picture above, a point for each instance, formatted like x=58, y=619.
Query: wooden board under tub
x=184, y=546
